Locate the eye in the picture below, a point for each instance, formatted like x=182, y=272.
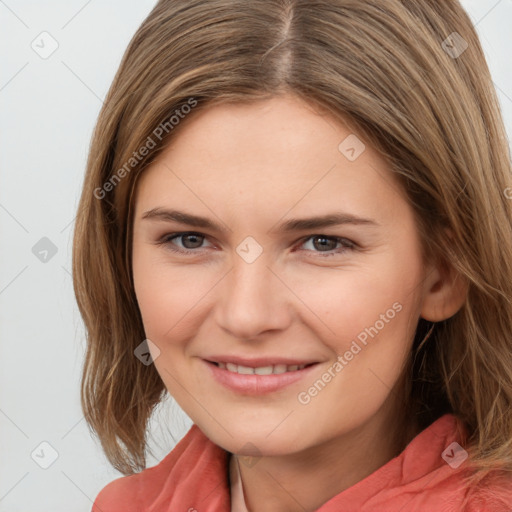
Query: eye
x=189, y=241
x=328, y=245
x=322, y=245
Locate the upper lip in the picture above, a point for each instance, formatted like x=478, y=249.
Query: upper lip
x=257, y=362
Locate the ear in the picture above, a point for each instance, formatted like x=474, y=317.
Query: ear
x=444, y=292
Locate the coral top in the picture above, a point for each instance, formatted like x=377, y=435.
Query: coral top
x=425, y=477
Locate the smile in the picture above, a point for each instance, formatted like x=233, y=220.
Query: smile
x=260, y=370
x=259, y=379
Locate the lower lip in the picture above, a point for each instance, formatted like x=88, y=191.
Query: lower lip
x=257, y=384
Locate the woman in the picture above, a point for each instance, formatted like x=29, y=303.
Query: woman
x=298, y=211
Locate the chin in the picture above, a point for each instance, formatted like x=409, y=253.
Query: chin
x=256, y=439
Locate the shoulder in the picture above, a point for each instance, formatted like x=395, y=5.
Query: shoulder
x=432, y=474
x=117, y=496
x=135, y=493
x=493, y=494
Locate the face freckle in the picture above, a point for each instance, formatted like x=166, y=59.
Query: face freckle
x=282, y=295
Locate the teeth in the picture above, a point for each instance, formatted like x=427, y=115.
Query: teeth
x=261, y=370
x=245, y=370
x=279, y=368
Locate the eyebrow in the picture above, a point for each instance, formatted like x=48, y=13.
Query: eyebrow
x=323, y=221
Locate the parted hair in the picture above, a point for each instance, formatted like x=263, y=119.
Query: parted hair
x=411, y=79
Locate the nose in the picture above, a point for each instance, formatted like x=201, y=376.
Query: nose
x=253, y=300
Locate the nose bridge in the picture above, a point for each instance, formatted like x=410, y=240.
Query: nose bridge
x=253, y=300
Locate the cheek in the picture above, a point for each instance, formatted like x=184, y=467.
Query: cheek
x=168, y=296
x=371, y=319
x=360, y=304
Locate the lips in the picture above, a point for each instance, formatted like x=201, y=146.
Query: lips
x=258, y=376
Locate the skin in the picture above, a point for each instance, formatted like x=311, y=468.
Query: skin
x=249, y=167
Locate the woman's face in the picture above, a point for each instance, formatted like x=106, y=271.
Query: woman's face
x=267, y=237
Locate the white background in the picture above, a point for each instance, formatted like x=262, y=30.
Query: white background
x=48, y=111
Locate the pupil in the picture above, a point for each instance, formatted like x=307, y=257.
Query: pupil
x=325, y=242
x=188, y=237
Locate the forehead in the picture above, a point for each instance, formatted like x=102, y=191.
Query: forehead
x=276, y=154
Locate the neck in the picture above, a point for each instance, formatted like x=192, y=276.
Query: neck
x=304, y=481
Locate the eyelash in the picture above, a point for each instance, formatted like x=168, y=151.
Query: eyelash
x=348, y=245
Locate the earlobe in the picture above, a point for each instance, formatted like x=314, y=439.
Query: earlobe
x=445, y=292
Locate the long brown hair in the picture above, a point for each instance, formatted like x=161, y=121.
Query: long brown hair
x=410, y=76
